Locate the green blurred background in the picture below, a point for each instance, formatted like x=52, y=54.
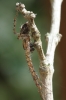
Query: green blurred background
x=16, y=82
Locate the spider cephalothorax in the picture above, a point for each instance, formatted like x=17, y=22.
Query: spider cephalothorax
x=24, y=32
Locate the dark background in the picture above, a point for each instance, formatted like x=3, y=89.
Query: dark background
x=16, y=82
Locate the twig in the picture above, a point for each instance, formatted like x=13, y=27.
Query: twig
x=34, y=31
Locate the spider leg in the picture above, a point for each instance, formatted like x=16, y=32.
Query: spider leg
x=14, y=23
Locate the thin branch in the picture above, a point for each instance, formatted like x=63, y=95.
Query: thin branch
x=28, y=47
x=26, y=43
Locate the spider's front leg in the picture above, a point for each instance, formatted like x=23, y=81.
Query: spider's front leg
x=14, y=27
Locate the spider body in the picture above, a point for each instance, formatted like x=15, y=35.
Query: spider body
x=24, y=35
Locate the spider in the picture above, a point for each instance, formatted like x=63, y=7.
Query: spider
x=24, y=34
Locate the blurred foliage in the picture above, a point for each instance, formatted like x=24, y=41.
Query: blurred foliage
x=16, y=82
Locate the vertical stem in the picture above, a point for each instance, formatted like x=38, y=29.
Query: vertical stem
x=46, y=75
x=46, y=71
x=56, y=13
